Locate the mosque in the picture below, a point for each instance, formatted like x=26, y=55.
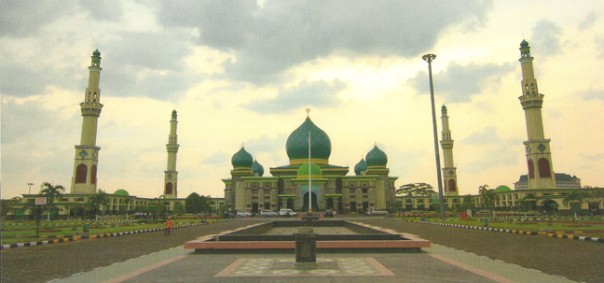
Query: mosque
x=310, y=172
x=310, y=182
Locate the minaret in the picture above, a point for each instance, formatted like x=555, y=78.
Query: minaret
x=538, y=153
x=84, y=179
x=171, y=175
x=449, y=171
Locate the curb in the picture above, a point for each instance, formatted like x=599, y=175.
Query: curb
x=91, y=237
x=520, y=232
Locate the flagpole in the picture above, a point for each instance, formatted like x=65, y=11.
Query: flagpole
x=309, y=177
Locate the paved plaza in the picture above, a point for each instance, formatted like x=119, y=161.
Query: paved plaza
x=457, y=255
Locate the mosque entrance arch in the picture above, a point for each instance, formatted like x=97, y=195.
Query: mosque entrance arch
x=315, y=205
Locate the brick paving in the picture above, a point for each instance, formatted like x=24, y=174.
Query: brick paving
x=575, y=260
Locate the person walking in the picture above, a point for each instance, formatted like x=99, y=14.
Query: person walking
x=169, y=226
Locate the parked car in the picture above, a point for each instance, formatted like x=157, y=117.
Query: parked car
x=329, y=213
x=376, y=211
x=287, y=212
x=243, y=213
x=268, y=213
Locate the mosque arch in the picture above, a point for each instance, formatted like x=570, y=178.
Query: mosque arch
x=81, y=172
x=315, y=204
x=452, y=186
x=544, y=168
x=168, y=188
x=531, y=169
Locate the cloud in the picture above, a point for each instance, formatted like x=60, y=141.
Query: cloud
x=588, y=21
x=593, y=95
x=546, y=38
x=25, y=18
x=460, y=83
x=103, y=10
x=316, y=94
x=486, y=136
x=270, y=38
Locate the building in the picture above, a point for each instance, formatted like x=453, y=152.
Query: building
x=563, y=181
x=310, y=172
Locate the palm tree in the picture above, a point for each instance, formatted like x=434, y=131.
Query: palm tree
x=489, y=197
x=51, y=193
x=96, y=201
x=574, y=199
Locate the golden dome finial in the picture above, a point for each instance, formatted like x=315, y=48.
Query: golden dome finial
x=307, y=112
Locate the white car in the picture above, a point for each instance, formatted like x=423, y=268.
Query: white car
x=268, y=213
x=287, y=212
x=243, y=213
x=376, y=211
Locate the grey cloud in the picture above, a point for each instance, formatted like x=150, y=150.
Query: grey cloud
x=103, y=10
x=593, y=94
x=546, y=38
x=589, y=20
x=316, y=94
x=269, y=39
x=459, y=83
x=24, y=18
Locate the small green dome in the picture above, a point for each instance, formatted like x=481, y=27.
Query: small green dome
x=314, y=169
x=376, y=157
x=297, y=142
x=121, y=192
x=242, y=159
x=524, y=43
x=360, y=167
x=502, y=188
x=96, y=53
x=257, y=169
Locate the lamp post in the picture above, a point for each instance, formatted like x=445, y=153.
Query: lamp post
x=429, y=58
x=30, y=184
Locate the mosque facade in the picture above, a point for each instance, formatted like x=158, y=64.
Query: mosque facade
x=309, y=171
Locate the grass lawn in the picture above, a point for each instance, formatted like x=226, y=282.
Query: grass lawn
x=591, y=228
x=23, y=231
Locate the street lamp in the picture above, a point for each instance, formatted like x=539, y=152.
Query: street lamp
x=429, y=58
x=30, y=184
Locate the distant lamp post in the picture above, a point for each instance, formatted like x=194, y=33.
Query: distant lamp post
x=30, y=184
x=429, y=58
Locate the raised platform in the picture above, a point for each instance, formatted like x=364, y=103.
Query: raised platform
x=332, y=236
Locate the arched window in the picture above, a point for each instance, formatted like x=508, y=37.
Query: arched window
x=452, y=187
x=168, y=188
x=93, y=175
x=544, y=171
x=81, y=171
x=531, y=168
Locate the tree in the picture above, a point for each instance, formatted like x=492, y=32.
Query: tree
x=574, y=199
x=468, y=202
x=192, y=203
x=51, y=193
x=179, y=209
x=489, y=197
x=415, y=189
x=96, y=201
x=594, y=198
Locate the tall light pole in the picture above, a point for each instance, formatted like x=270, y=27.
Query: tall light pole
x=30, y=184
x=429, y=58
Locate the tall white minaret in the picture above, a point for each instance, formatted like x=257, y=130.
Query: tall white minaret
x=85, y=166
x=449, y=171
x=538, y=153
x=171, y=175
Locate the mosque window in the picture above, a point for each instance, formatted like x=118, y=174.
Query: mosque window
x=364, y=190
x=531, y=169
x=81, y=171
x=544, y=171
x=452, y=187
x=93, y=175
x=168, y=188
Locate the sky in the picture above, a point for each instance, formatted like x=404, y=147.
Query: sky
x=243, y=73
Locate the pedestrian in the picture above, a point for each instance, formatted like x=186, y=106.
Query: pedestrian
x=169, y=226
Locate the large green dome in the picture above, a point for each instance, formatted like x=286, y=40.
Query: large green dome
x=297, y=143
x=121, y=192
x=376, y=157
x=503, y=188
x=242, y=159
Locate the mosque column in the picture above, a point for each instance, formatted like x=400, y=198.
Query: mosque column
x=449, y=171
x=538, y=153
x=85, y=166
x=171, y=175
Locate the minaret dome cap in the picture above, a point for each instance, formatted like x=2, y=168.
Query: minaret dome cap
x=96, y=53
